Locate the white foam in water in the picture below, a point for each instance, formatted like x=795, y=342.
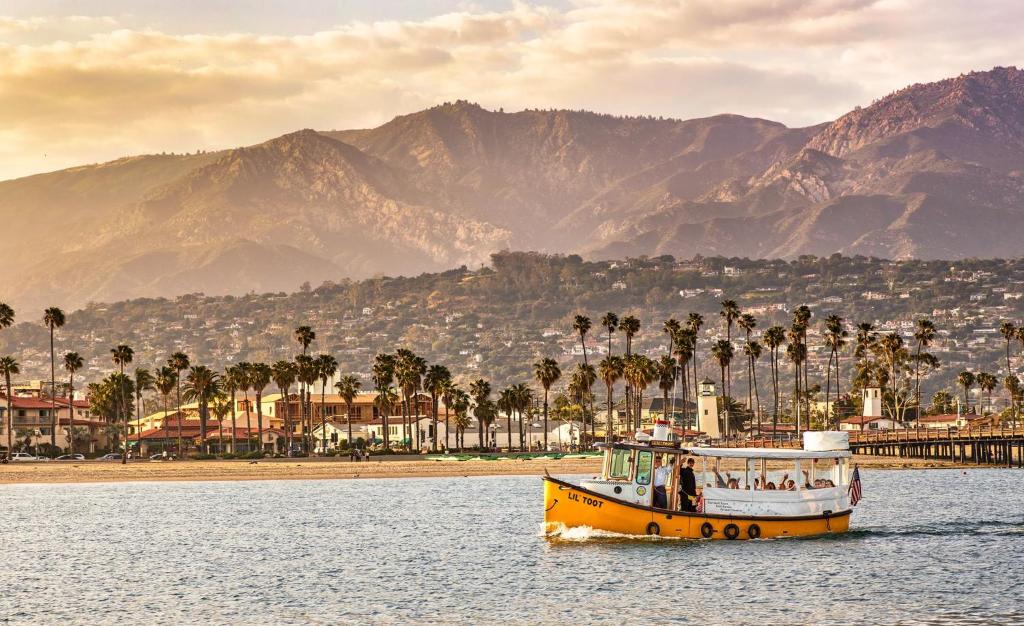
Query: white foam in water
x=587, y=533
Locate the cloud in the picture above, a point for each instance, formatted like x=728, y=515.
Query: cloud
x=84, y=89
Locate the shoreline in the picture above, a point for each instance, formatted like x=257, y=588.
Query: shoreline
x=333, y=469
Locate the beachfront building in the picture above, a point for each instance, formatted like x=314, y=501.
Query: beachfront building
x=872, y=418
x=33, y=420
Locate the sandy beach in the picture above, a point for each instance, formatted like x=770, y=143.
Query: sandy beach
x=307, y=469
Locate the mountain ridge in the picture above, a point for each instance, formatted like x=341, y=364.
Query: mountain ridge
x=934, y=170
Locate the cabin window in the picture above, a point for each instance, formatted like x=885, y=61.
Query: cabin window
x=644, y=461
x=619, y=467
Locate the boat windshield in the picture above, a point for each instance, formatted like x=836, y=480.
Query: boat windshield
x=619, y=465
x=644, y=463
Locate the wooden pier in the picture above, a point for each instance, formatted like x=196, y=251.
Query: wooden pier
x=1002, y=447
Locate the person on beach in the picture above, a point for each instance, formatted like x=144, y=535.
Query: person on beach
x=687, y=487
x=661, y=474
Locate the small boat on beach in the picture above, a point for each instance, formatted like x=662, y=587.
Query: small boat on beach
x=737, y=493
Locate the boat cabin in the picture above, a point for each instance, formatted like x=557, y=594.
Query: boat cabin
x=729, y=481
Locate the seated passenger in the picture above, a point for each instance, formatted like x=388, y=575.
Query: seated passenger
x=769, y=486
x=734, y=483
x=790, y=485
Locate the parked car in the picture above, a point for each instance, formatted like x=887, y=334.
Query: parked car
x=160, y=456
x=113, y=456
x=71, y=457
x=23, y=456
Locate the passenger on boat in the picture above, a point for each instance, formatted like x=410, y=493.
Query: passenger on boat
x=790, y=485
x=769, y=486
x=687, y=487
x=661, y=474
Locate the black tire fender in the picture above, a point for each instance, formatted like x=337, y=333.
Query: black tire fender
x=653, y=529
x=731, y=531
x=706, y=530
x=754, y=531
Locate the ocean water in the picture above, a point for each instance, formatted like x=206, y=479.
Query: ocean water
x=928, y=546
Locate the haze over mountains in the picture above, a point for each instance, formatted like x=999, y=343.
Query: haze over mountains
x=932, y=171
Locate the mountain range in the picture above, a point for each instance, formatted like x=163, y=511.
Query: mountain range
x=933, y=171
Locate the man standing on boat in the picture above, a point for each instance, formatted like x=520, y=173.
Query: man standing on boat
x=687, y=487
x=661, y=474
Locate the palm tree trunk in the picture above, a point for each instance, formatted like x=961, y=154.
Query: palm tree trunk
x=348, y=418
x=124, y=411
x=287, y=425
x=545, y=419
x=323, y=419
x=234, y=422
x=248, y=423
x=178, y=397
x=53, y=396
x=259, y=421
x=71, y=413
x=828, y=385
x=447, y=442
x=757, y=399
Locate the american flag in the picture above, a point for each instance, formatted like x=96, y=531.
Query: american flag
x=856, y=491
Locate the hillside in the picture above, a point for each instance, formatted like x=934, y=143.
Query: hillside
x=495, y=322
x=932, y=171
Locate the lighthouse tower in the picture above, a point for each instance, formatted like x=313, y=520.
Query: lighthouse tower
x=707, y=409
x=872, y=402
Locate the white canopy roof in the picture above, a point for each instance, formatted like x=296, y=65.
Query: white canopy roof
x=769, y=453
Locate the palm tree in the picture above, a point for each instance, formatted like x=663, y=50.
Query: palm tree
x=610, y=370
x=630, y=326
x=165, y=381
x=53, y=318
x=383, y=375
x=523, y=398
x=283, y=373
x=385, y=402
x=434, y=382
x=585, y=377
x=480, y=389
x=753, y=351
x=547, y=372
x=666, y=380
x=671, y=328
x=774, y=337
x=447, y=396
x=348, y=389
x=305, y=336
x=179, y=362
x=221, y=407
x=966, y=380
x=1009, y=332
x=730, y=313
x=260, y=376
x=988, y=383
x=694, y=321
x=506, y=402
x=234, y=379
x=326, y=367
x=306, y=375
x=581, y=324
x=684, y=346
x=641, y=372
x=122, y=355
x=924, y=334
x=747, y=323
x=610, y=322
x=801, y=322
x=201, y=385
x=243, y=383
x=6, y=316
x=722, y=351
x=9, y=367
x=72, y=363
x=460, y=404
x=143, y=382
x=796, y=352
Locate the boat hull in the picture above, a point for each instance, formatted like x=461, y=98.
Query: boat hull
x=571, y=506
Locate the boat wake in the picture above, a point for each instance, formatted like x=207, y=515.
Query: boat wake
x=979, y=527
x=577, y=534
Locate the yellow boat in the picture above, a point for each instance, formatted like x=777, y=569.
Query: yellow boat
x=737, y=494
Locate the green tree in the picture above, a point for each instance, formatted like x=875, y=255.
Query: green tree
x=304, y=335
x=747, y=323
x=774, y=337
x=480, y=390
x=988, y=383
x=924, y=335
x=752, y=350
x=326, y=367
x=610, y=370
x=53, y=318
x=610, y=322
x=383, y=376
x=165, y=381
x=722, y=351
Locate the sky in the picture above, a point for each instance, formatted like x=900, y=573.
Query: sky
x=86, y=81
